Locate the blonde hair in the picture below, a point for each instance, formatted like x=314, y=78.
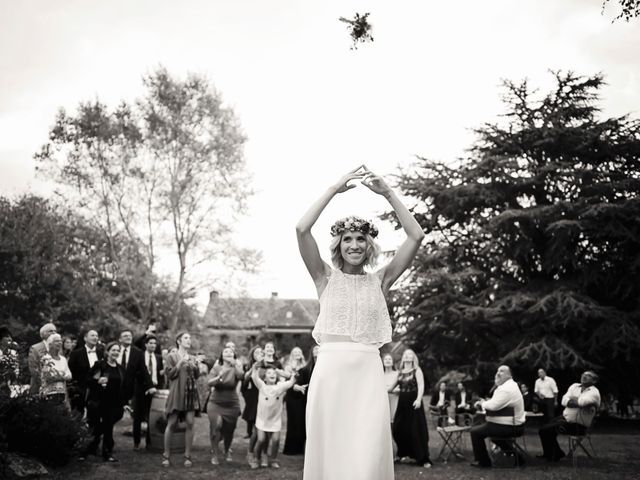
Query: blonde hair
x=371, y=257
x=415, y=363
x=299, y=363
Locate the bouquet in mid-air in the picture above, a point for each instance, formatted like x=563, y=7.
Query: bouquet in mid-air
x=359, y=29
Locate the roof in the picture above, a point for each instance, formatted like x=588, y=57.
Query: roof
x=248, y=313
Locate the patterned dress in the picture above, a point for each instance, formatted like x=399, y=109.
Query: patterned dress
x=183, y=389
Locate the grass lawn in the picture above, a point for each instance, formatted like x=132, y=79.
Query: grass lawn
x=616, y=443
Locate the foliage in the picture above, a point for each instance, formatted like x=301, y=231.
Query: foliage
x=56, y=265
x=359, y=29
x=33, y=425
x=166, y=171
x=533, y=256
x=629, y=9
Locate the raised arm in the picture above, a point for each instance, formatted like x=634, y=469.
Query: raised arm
x=255, y=376
x=407, y=251
x=317, y=268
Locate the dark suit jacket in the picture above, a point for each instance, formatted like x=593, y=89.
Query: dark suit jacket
x=136, y=375
x=159, y=368
x=79, y=366
x=436, y=396
x=96, y=399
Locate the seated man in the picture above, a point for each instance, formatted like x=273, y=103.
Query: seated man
x=505, y=417
x=439, y=405
x=581, y=402
x=463, y=404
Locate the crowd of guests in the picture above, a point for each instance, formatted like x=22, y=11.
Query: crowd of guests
x=98, y=380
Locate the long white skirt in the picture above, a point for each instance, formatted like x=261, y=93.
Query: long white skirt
x=348, y=425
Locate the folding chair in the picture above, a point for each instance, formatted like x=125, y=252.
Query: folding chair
x=578, y=442
x=496, y=453
x=451, y=435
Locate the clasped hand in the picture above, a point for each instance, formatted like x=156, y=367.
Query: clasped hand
x=369, y=179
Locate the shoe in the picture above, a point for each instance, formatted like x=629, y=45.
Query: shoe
x=214, y=460
x=165, y=460
x=82, y=458
x=110, y=459
x=428, y=464
x=264, y=463
x=228, y=458
x=274, y=465
x=187, y=461
x=253, y=464
x=136, y=447
x=480, y=465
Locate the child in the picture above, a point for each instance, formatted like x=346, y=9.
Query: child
x=269, y=415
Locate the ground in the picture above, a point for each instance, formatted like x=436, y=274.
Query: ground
x=616, y=442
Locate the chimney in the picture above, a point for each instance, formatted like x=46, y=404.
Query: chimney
x=274, y=295
x=213, y=295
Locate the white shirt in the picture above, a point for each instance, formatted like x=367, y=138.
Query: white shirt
x=507, y=395
x=441, y=399
x=92, y=355
x=546, y=388
x=588, y=401
x=153, y=371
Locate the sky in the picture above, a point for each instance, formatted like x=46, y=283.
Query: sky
x=311, y=107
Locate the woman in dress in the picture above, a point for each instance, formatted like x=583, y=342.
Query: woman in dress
x=250, y=395
x=410, y=423
x=223, y=407
x=347, y=407
x=106, y=395
x=54, y=372
x=296, y=402
x=183, y=402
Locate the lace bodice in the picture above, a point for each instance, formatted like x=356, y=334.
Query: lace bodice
x=354, y=306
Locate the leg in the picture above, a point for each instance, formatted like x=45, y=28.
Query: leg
x=172, y=419
x=549, y=439
x=138, y=416
x=260, y=443
x=188, y=440
x=228, y=428
x=107, y=437
x=215, y=424
x=147, y=410
x=478, y=434
x=93, y=420
x=275, y=444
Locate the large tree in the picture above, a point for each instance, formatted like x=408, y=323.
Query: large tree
x=534, y=251
x=167, y=171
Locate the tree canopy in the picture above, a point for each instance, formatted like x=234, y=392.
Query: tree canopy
x=533, y=255
x=167, y=171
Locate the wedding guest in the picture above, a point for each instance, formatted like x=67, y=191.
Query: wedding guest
x=223, y=407
x=581, y=403
x=547, y=392
x=151, y=331
x=183, y=402
x=144, y=388
x=107, y=397
x=527, y=397
x=410, y=423
x=35, y=355
x=54, y=371
x=505, y=417
x=136, y=378
x=296, y=401
x=390, y=378
x=439, y=404
x=81, y=360
x=269, y=416
x=69, y=342
x=270, y=360
x=463, y=403
x=306, y=372
x=9, y=358
x=250, y=395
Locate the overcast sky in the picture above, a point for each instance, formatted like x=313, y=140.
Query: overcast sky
x=311, y=107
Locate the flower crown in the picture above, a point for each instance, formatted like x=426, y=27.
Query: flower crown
x=354, y=224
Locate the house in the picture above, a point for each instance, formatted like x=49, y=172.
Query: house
x=249, y=321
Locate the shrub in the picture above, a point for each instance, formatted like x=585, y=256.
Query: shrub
x=33, y=425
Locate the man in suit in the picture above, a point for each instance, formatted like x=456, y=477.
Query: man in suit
x=136, y=376
x=152, y=329
x=142, y=398
x=439, y=405
x=80, y=362
x=35, y=355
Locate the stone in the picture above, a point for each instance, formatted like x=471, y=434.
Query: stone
x=17, y=467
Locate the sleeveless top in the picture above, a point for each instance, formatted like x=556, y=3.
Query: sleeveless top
x=354, y=306
x=407, y=382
